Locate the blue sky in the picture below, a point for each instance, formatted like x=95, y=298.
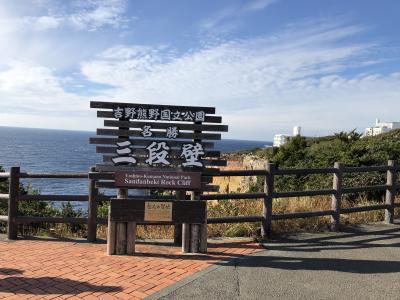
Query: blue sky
x=266, y=65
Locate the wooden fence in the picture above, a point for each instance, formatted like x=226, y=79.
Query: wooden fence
x=269, y=173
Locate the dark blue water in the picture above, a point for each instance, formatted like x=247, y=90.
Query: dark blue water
x=61, y=151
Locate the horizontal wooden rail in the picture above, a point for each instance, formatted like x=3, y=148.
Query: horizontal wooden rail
x=296, y=215
x=302, y=193
x=370, y=188
x=31, y=219
x=103, y=221
x=304, y=171
x=363, y=208
x=51, y=175
x=102, y=197
x=156, y=134
x=52, y=197
x=4, y=175
x=4, y=196
x=232, y=196
x=3, y=218
x=366, y=169
x=235, y=219
x=165, y=125
x=224, y=173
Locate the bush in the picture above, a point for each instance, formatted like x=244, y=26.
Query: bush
x=346, y=147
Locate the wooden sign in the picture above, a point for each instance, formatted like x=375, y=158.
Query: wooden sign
x=175, y=140
x=147, y=135
x=147, y=211
x=148, y=179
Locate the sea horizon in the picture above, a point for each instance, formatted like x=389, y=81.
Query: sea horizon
x=94, y=132
x=38, y=150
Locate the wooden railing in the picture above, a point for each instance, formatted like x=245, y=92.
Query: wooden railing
x=270, y=172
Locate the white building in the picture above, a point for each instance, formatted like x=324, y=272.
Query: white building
x=381, y=127
x=280, y=139
x=296, y=130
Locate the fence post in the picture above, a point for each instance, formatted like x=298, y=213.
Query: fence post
x=268, y=197
x=391, y=181
x=92, y=209
x=337, y=196
x=180, y=195
x=13, y=191
x=195, y=229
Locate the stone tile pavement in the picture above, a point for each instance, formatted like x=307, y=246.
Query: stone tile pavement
x=53, y=269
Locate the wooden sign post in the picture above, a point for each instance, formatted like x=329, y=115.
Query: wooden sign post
x=157, y=147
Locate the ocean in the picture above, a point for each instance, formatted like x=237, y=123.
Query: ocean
x=63, y=151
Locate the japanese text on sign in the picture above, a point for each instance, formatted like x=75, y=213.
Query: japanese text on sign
x=158, y=153
x=158, y=211
x=140, y=113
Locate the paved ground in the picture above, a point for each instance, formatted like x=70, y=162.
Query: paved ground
x=359, y=263
x=49, y=269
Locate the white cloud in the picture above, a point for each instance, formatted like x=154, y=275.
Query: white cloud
x=58, y=34
x=257, y=5
x=87, y=15
x=46, y=22
x=228, y=18
x=33, y=89
x=273, y=83
x=261, y=85
x=95, y=14
x=225, y=72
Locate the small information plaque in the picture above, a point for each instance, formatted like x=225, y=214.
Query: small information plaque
x=148, y=211
x=158, y=211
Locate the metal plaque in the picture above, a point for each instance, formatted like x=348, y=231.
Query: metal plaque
x=158, y=211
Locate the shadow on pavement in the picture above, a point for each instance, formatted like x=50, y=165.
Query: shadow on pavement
x=8, y=271
x=320, y=264
x=363, y=240
x=50, y=285
x=350, y=239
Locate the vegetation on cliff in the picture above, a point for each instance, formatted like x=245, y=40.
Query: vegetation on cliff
x=40, y=209
x=345, y=147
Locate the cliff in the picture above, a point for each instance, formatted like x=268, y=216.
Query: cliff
x=239, y=161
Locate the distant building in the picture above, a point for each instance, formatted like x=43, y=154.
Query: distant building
x=381, y=127
x=296, y=130
x=280, y=139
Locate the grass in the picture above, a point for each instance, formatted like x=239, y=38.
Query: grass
x=289, y=205
x=224, y=208
x=252, y=207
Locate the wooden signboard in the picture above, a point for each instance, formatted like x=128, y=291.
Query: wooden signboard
x=169, y=212
x=150, y=179
x=174, y=144
x=157, y=136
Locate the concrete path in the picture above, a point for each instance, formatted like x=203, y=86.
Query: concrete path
x=359, y=263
